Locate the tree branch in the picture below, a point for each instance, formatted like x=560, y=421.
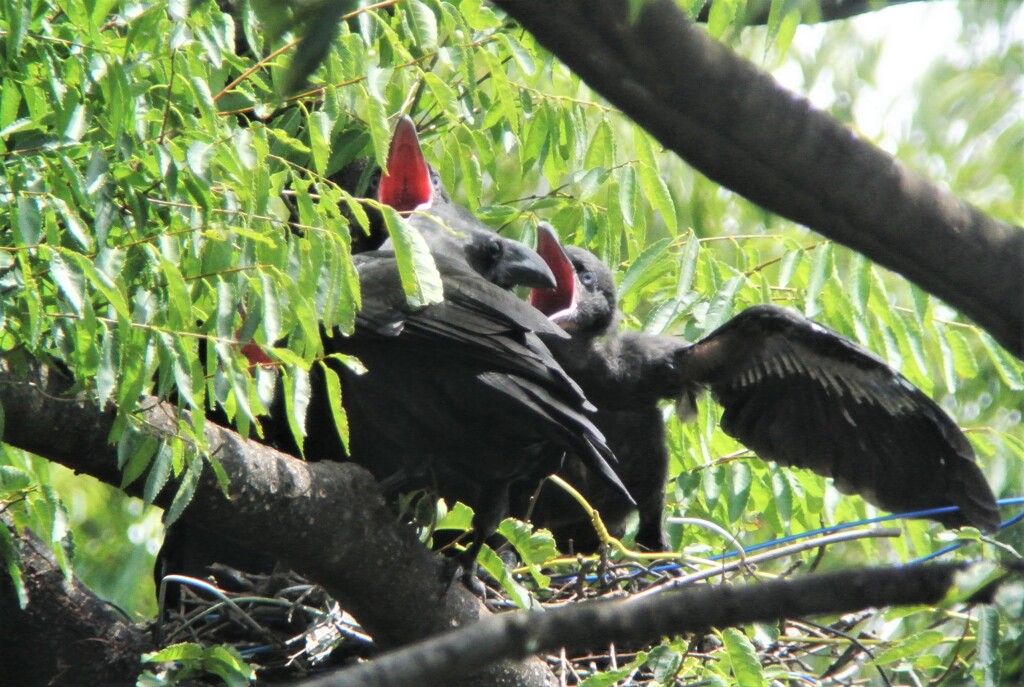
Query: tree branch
x=327, y=521
x=592, y=624
x=65, y=634
x=740, y=128
x=757, y=11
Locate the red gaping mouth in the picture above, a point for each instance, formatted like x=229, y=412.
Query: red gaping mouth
x=559, y=303
x=405, y=184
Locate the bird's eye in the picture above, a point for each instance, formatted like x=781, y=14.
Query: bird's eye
x=495, y=249
x=435, y=179
x=588, y=278
x=373, y=183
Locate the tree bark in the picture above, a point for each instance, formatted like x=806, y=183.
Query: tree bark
x=327, y=521
x=736, y=125
x=757, y=11
x=65, y=634
x=591, y=624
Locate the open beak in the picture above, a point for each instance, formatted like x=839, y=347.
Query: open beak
x=405, y=184
x=520, y=266
x=558, y=302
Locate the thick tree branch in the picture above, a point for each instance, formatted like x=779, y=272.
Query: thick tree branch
x=757, y=11
x=65, y=634
x=326, y=520
x=589, y=625
x=735, y=124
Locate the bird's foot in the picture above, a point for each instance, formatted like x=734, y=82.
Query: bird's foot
x=465, y=571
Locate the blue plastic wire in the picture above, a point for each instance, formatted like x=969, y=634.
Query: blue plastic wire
x=953, y=547
x=1014, y=501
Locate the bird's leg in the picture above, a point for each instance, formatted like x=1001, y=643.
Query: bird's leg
x=487, y=515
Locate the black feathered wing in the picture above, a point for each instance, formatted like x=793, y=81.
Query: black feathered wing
x=799, y=394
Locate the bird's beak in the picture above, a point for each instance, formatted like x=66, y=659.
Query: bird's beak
x=405, y=184
x=558, y=302
x=520, y=266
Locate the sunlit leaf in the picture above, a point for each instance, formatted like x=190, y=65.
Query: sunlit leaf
x=743, y=659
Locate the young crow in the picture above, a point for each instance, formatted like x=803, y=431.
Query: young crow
x=792, y=391
x=460, y=395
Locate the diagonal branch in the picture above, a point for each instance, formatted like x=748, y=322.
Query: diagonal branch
x=326, y=520
x=736, y=125
x=757, y=11
x=591, y=624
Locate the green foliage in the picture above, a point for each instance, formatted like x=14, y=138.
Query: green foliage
x=189, y=660
x=31, y=502
x=163, y=202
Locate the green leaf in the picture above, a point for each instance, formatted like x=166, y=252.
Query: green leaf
x=12, y=561
x=420, y=279
x=296, y=398
x=534, y=547
x=493, y=564
x=179, y=304
x=988, y=665
x=442, y=92
x=19, y=18
x=203, y=97
x=320, y=126
x=723, y=14
x=746, y=667
x=822, y=270
x=186, y=651
x=608, y=677
x=70, y=281
x=722, y=304
x=665, y=662
x=424, y=25
x=524, y=58
x=647, y=266
x=459, y=518
x=478, y=15
x=74, y=224
x=186, y=490
x=629, y=195
x=159, y=473
x=99, y=281
x=1010, y=370
x=963, y=357
x=506, y=105
x=226, y=663
x=380, y=132
x=335, y=400
x=14, y=479
x=135, y=451
x=739, y=494
x=654, y=186
x=918, y=643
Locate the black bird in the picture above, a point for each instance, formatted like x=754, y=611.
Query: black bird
x=461, y=395
x=792, y=391
x=479, y=353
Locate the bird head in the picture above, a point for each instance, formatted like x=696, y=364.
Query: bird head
x=411, y=186
x=408, y=182
x=583, y=300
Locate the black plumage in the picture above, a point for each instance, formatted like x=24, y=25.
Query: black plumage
x=791, y=390
x=461, y=395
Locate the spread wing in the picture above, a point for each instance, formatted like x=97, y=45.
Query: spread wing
x=800, y=394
